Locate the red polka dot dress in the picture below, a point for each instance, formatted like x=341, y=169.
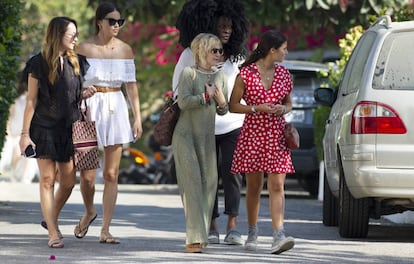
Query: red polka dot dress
x=261, y=145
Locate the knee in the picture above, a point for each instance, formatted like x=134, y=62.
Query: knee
x=275, y=186
x=254, y=188
x=111, y=176
x=67, y=185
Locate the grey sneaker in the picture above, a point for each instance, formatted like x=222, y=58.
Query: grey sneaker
x=233, y=237
x=281, y=243
x=213, y=237
x=251, y=242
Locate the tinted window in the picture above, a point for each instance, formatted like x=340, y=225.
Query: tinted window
x=355, y=67
x=395, y=65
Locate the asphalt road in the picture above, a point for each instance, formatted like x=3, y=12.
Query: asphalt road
x=149, y=219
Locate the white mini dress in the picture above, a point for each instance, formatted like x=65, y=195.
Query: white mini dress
x=109, y=110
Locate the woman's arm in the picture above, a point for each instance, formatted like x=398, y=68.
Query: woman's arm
x=133, y=98
x=31, y=102
x=236, y=96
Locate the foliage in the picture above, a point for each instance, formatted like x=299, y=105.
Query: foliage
x=10, y=44
x=36, y=15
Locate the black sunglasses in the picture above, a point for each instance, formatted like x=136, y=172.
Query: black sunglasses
x=215, y=51
x=112, y=21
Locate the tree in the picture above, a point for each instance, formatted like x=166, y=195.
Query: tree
x=10, y=44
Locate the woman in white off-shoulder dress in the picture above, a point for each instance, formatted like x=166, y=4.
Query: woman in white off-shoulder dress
x=111, y=66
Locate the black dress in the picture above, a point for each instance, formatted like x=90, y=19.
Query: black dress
x=56, y=108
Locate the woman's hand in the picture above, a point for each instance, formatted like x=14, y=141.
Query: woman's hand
x=25, y=141
x=210, y=89
x=88, y=92
x=219, y=98
x=137, y=130
x=278, y=109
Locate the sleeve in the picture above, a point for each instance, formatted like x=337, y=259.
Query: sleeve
x=84, y=65
x=186, y=59
x=34, y=66
x=224, y=88
x=186, y=83
x=130, y=71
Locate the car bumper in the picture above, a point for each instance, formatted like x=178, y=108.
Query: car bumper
x=370, y=181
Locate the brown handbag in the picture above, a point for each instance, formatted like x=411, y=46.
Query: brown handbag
x=85, y=142
x=164, y=128
x=291, y=136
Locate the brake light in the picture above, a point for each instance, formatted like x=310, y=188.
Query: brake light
x=376, y=118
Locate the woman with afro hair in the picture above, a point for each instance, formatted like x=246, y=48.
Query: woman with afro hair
x=226, y=19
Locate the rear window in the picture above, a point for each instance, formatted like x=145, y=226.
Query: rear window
x=307, y=80
x=395, y=66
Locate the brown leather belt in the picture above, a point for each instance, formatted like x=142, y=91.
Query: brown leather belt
x=102, y=89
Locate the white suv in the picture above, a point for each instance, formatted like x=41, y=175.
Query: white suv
x=369, y=136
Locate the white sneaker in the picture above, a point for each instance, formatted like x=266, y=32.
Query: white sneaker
x=213, y=237
x=251, y=242
x=282, y=244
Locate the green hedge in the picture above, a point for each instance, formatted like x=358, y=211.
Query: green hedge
x=10, y=45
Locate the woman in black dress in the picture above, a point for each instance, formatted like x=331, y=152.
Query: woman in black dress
x=54, y=90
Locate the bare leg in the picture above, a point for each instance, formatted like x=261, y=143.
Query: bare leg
x=112, y=157
x=231, y=222
x=47, y=169
x=275, y=186
x=87, y=187
x=254, y=185
x=65, y=172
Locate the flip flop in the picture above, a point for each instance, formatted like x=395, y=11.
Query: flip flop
x=83, y=231
x=44, y=225
x=56, y=243
x=107, y=238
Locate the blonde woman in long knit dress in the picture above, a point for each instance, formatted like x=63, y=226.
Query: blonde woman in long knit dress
x=202, y=93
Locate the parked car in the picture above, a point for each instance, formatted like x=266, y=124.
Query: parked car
x=305, y=80
x=369, y=137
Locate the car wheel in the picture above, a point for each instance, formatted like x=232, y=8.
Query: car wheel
x=330, y=206
x=353, y=213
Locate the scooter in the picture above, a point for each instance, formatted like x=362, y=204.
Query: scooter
x=145, y=170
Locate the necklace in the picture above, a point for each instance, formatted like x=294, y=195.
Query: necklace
x=266, y=74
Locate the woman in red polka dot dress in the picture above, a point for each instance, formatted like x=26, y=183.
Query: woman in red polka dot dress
x=261, y=147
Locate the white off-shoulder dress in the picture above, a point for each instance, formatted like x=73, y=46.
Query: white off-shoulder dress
x=109, y=110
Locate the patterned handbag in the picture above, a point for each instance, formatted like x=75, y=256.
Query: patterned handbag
x=85, y=142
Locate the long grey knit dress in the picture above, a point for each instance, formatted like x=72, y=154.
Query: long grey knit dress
x=195, y=150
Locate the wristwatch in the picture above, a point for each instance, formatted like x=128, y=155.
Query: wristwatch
x=253, y=109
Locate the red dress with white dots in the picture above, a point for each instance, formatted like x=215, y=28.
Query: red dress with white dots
x=261, y=145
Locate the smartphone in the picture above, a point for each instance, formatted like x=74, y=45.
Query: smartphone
x=29, y=152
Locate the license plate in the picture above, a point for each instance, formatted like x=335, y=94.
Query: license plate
x=295, y=116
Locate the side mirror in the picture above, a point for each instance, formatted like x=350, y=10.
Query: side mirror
x=325, y=96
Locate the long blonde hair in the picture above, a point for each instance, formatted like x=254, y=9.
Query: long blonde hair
x=52, y=44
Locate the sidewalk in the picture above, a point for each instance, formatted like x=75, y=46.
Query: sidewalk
x=149, y=220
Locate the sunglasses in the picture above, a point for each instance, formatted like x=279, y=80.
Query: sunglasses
x=72, y=37
x=112, y=21
x=215, y=51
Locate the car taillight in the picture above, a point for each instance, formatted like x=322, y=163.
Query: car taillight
x=376, y=118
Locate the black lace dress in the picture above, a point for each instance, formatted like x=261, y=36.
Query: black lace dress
x=56, y=108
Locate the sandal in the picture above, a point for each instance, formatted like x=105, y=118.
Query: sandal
x=107, y=238
x=194, y=248
x=55, y=243
x=81, y=232
x=44, y=225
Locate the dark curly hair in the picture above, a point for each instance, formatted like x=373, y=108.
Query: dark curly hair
x=201, y=16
